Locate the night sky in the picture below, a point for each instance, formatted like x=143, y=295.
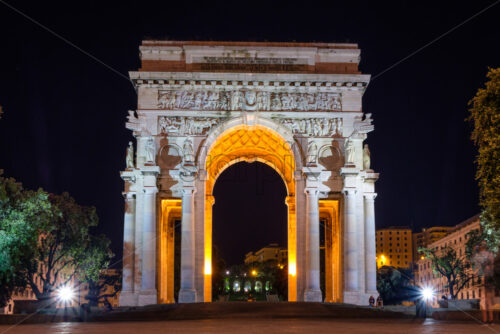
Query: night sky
x=64, y=122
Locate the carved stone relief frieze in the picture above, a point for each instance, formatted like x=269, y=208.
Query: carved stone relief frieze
x=219, y=100
x=183, y=126
x=316, y=127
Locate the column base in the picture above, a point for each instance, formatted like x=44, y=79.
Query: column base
x=354, y=297
x=128, y=298
x=147, y=297
x=187, y=296
x=313, y=296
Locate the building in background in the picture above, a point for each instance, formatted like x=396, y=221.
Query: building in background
x=428, y=236
x=270, y=252
x=394, y=247
x=457, y=239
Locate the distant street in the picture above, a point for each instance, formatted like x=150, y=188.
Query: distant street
x=258, y=326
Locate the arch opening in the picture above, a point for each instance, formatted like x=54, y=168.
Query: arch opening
x=249, y=214
x=250, y=143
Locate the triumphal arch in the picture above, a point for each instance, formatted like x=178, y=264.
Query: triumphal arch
x=204, y=106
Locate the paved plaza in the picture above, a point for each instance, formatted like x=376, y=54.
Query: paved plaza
x=259, y=326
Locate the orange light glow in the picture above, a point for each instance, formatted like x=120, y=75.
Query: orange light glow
x=292, y=269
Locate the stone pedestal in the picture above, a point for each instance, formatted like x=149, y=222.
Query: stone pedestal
x=187, y=292
x=147, y=297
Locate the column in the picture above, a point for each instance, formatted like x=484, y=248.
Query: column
x=126, y=295
x=148, y=293
x=187, y=293
x=351, y=260
x=313, y=291
x=370, y=251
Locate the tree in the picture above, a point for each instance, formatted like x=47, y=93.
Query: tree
x=62, y=247
x=22, y=213
x=446, y=263
x=394, y=284
x=97, y=257
x=218, y=273
x=485, y=115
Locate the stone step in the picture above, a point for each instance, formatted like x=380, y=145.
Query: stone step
x=221, y=310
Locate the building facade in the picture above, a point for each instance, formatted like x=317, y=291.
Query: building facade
x=272, y=252
x=203, y=106
x=457, y=239
x=429, y=236
x=394, y=247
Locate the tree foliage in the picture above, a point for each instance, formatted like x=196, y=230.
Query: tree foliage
x=446, y=263
x=45, y=241
x=23, y=213
x=485, y=115
x=394, y=284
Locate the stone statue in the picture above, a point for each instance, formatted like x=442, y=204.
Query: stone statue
x=188, y=151
x=312, y=153
x=349, y=152
x=129, y=160
x=150, y=150
x=366, y=157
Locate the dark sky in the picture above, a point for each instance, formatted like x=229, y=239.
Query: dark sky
x=63, y=127
x=249, y=211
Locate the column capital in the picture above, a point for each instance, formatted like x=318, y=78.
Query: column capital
x=128, y=195
x=311, y=191
x=370, y=196
x=349, y=191
x=149, y=190
x=188, y=190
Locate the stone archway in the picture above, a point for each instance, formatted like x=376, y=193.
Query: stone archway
x=250, y=143
x=203, y=106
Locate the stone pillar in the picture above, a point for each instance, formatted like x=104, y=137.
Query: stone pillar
x=313, y=291
x=351, y=253
x=127, y=297
x=148, y=294
x=370, y=251
x=187, y=293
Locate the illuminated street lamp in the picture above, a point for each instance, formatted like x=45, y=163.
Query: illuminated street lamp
x=254, y=273
x=427, y=293
x=65, y=294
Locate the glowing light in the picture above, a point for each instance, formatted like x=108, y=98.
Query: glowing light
x=254, y=273
x=427, y=293
x=227, y=272
x=65, y=294
x=422, y=257
x=292, y=270
x=208, y=267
